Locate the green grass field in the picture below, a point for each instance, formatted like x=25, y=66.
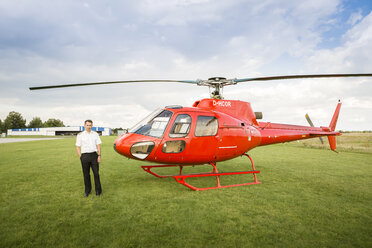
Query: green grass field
x=352, y=142
x=308, y=198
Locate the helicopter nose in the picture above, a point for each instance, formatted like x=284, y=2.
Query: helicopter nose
x=134, y=146
x=121, y=146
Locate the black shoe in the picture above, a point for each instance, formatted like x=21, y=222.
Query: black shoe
x=86, y=194
x=98, y=194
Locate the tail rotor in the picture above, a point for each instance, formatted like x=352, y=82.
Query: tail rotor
x=312, y=125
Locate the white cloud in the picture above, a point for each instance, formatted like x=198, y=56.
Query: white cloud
x=355, y=17
x=352, y=56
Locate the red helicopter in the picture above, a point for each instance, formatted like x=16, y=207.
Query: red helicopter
x=210, y=131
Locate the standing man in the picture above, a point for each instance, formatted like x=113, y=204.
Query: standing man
x=88, y=148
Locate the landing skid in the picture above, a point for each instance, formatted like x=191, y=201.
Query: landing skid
x=182, y=178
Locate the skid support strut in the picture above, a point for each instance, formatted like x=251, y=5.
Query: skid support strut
x=182, y=178
x=148, y=168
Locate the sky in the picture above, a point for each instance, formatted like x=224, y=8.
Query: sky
x=73, y=41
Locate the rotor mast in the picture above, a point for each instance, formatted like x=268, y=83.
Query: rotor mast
x=217, y=84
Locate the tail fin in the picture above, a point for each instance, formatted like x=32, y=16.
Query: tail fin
x=333, y=123
x=332, y=126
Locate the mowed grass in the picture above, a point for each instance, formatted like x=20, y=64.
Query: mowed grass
x=308, y=198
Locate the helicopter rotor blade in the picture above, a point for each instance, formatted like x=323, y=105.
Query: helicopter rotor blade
x=113, y=82
x=302, y=76
x=312, y=125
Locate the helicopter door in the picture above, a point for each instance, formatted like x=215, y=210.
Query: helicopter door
x=174, y=148
x=203, y=145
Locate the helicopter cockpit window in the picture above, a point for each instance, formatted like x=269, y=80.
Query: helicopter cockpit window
x=181, y=126
x=206, y=126
x=154, y=125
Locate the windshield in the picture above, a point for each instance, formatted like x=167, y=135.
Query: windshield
x=154, y=124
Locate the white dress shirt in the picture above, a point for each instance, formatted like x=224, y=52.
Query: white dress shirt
x=88, y=141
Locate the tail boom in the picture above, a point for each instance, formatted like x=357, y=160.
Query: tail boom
x=272, y=133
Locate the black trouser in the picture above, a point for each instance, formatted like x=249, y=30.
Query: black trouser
x=90, y=160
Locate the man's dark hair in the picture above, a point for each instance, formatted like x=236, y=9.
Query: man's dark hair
x=88, y=121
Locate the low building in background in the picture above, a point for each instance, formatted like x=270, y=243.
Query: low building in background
x=56, y=131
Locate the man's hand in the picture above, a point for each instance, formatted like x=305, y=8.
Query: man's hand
x=78, y=151
x=99, y=153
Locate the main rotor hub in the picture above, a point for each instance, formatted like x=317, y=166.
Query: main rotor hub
x=217, y=79
x=217, y=83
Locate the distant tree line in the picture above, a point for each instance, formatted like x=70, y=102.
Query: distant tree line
x=14, y=120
